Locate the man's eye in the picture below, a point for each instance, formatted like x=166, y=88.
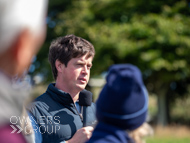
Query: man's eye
x=89, y=66
x=80, y=65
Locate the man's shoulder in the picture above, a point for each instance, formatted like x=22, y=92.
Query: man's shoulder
x=45, y=96
x=38, y=103
x=42, y=97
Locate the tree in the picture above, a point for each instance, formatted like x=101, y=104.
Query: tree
x=154, y=35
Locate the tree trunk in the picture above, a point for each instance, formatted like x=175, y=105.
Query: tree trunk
x=162, y=109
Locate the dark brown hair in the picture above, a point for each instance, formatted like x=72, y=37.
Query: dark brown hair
x=68, y=47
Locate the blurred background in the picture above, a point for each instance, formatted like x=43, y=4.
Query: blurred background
x=151, y=34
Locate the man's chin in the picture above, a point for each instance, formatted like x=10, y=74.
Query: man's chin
x=81, y=87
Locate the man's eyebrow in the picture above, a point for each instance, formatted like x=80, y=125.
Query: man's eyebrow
x=80, y=61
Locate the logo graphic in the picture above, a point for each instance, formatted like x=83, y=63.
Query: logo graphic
x=28, y=125
x=15, y=129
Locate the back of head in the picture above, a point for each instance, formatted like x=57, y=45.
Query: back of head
x=123, y=101
x=16, y=15
x=68, y=47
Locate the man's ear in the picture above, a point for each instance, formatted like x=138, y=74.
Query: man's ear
x=18, y=57
x=13, y=59
x=59, y=66
x=23, y=51
x=19, y=51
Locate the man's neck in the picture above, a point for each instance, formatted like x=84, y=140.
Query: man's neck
x=74, y=94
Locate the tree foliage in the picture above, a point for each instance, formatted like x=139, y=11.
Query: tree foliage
x=154, y=35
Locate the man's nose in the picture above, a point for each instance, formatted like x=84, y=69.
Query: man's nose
x=85, y=69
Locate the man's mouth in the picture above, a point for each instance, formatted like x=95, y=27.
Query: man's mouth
x=83, y=80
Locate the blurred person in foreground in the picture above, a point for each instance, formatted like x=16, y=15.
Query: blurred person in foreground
x=56, y=114
x=121, y=106
x=22, y=32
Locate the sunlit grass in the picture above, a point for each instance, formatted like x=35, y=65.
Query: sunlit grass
x=170, y=134
x=168, y=140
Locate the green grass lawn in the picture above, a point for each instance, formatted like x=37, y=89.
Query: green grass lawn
x=170, y=134
x=168, y=140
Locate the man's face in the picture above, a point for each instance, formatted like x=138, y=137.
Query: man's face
x=76, y=74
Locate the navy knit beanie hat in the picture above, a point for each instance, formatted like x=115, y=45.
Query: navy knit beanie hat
x=123, y=101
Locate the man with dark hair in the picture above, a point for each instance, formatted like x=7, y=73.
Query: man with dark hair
x=56, y=113
x=65, y=48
